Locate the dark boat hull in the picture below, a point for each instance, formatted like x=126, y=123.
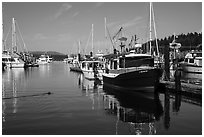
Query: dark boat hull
x=77, y=69
x=135, y=80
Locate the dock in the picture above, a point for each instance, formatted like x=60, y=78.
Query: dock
x=187, y=89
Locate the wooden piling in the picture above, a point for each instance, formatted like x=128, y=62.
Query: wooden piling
x=177, y=76
x=166, y=64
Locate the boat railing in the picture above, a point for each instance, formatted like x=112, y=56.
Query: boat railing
x=131, y=69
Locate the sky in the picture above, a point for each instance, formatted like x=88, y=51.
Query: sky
x=59, y=26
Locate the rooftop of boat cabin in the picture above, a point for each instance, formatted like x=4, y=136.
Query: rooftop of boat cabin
x=131, y=54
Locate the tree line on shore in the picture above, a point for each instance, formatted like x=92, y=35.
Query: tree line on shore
x=190, y=41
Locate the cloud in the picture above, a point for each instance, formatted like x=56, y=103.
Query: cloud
x=132, y=22
x=113, y=24
x=64, y=37
x=75, y=14
x=64, y=7
x=40, y=36
x=98, y=4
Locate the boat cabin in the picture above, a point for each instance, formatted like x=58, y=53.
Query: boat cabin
x=194, y=58
x=91, y=65
x=129, y=60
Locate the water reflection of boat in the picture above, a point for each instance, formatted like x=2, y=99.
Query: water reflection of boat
x=193, y=78
x=91, y=89
x=11, y=80
x=138, y=110
x=86, y=84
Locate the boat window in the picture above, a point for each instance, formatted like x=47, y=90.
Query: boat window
x=90, y=65
x=4, y=59
x=186, y=60
x=111, y=64
x=200, y=62
x=11, y=59
x=121, y=63
x=115, y=64
x=100, y=65
x=191, y=61
x=137, y=57
x=83, y=65
x=199, y=54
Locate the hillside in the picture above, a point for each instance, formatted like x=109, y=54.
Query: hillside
x=57, y=56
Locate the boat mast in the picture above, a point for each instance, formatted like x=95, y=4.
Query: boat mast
x=150, y=28
x=79, y=47
x=3, y=29
x=155, y=32
x=92, y=40
x=14, y=48
x=108, y=35
x=105, y=28
x=3, y=41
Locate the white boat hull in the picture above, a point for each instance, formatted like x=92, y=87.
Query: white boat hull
x=191, y=68
x=42, y=63
x=89, y=74
x=17, y=65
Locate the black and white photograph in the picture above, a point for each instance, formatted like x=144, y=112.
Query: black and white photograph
x=101, y=67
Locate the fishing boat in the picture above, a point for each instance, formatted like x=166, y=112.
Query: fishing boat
x=192, y=62
x=12, y=61
x=131, y=70
x=49, y=59
x=92, y=69
x=75, y=66
x=43, y=60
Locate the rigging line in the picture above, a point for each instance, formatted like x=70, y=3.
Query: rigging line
x=72, y=48
x=110, y=38
x=25, y=48
x=18, y=44
x=8, y=34
x=88, y=41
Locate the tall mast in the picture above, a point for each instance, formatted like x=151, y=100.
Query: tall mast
x=13, y=36
x=155, y=32
x=3, y=41
x=105, y=32
x=79, y=47
x=3, y=30
x=92, y=39
x=105, y=27
x=150, y=27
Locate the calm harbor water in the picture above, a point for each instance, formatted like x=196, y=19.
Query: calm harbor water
x=81, y=107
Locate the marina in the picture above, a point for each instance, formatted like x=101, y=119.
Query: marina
x=83, y=107
x=134, y=80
